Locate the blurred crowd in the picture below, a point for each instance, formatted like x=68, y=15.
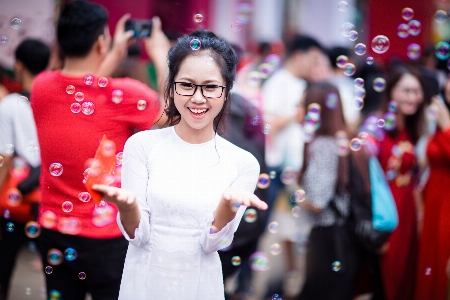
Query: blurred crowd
x=315, y=118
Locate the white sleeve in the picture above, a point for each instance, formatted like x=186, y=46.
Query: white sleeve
x=246, y=180
x=6, y=128
x=135, y=178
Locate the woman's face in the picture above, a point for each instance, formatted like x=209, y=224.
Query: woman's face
x=198, y=111
x=408, y=94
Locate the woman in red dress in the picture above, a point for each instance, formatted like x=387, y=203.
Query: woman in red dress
x=401, y=125
x=435, y=239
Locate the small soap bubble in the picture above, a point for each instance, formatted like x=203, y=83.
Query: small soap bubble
x=79, y=96
x=141, y=104
x=414, y=51
x=358, y=103
x=3, y=40
x=346, y=28
x=87, y=108
x=88, y=79
x=407, y=13
x=195, y=44
x=28, y=291
x=415, y=27
x=288, y=176
x=390, y=121
x=82, y=276
x=341, y=60
x=32, y=229
x=259, y=261
x=253, y=79
x=6, y=214
x=273, y=227
x=2, y=160
x=75, y=107
x=70, y=89
x=331, y=100
x=392, y=106
x=235, y=261
x=342, y=6
x=236, y=26
x=360, y=49
x=379, y=84
x=273, y=60
x=102, y=82
x=16, y=23
x=266, y=129
x=380, y=44
x=381, y=123
x=9, y=148
x=13, y=197
x=265, y=70
x=298, y=196
x=56, y=169
x=198, y=18
x=349, y=69
x=336, y=266
x=355, y=144
x=272, y=174
x=119, y=158
x=359, y=92
x=369, y=60
x=250, y=215
x=84, y=197
x=428, y=271
x=276, y=297
x=442, y=50
x=244, y=11
x=358, y=82
x=70, y=254
x=353, y=35
x=255, y=120
x=54, y=257
x=67, y=206
x=440, y=16
x=10, y=227
x=263, y=181
x=117, y=96
x=362, y=136
x=296, y=211
x=403, y=30
x=275, y=249
x=101, y=207
x=48, y=270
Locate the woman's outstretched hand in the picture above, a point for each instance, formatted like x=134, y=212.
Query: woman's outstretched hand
x=235, y=198
x=122, y=198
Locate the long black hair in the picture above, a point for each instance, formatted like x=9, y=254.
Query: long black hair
x=223, y=55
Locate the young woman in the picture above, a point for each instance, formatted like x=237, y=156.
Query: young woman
x=330, y=273
x=403, y=123
x=184, y=188
x=434, y=250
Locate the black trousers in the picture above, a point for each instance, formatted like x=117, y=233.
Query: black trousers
x=332, y=264
x=10, y=244
x=101, y=260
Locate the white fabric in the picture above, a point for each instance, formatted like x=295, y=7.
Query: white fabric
x=345, y=87
x=281, y=95
x=178, y=186
x=17, y=128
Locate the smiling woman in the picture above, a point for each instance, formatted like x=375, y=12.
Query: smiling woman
x=184, y=188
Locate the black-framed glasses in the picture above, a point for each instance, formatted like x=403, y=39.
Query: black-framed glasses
x=208, y=90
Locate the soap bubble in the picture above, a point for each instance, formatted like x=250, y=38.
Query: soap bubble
x=298, y=196
x=414, y=51
x=275, y=249
x=3, y=40
x=403, y=30
x=82, y=276
x=88, y=79
x=54, y=257
x=56, y=169
x=250, y=215
x=141, y=104
x=341, y=60
x=414, y=27
x=346, y=28
x=195, y=44
x=70, y=254
x=117, y=96
x=67, y=206
x=336, y=266
x=358, y=82
x=442, y=50
x=102, y=82
x=349, y=69
x=259, y=261
x=407, y=13
x=273, y=227
x=355, y=144
x=353, y=35
x=32, y=229
x=380, y=44
x=360, y=49
x=235, y=261
x=263, y=181
x=198, y=18
x=379, y=84
x=236, y=26
x=342, y=6
x=48, y=270
x=87, y=108
x=369, y=60
x=440, y=16
x=16, y=23
x=70, y=89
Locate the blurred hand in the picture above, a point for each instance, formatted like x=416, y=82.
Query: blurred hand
x=234, y=198
x=442, y=113
x=122, y=198
x=157, y=45
x=383, y=248
x=122, y=38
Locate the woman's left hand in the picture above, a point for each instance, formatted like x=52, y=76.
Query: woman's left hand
x=442, y=113
x=122, y=198
x=235, y=198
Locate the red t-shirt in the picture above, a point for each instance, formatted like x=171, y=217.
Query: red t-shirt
x=70, y=127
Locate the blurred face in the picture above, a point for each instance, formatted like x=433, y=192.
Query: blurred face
x=408, y=94
x=199, y=110
x=307, y=61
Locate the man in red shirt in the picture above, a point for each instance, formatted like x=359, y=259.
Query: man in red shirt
x=83, y=250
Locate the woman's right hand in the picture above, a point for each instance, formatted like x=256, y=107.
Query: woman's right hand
x=122, y=198
x=442, y=113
